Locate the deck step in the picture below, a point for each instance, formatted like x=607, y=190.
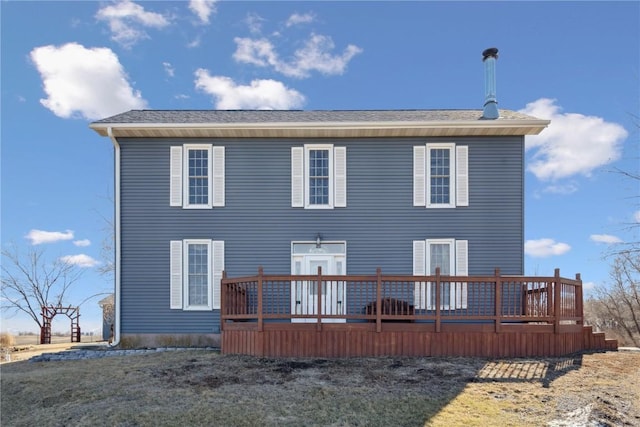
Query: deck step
x=598, y=340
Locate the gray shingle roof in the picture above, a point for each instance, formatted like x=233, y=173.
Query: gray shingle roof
x=300, y=116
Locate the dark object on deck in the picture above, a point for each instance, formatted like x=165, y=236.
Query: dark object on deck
x=390, y=306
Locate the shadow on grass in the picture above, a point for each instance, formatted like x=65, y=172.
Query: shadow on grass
x=544, y=371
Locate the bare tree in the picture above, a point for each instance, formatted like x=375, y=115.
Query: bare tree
x=107, y=251
x=29, y=281
x=618, y=305
x=107, y=267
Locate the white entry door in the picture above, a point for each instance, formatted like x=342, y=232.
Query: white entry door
x=305, y=293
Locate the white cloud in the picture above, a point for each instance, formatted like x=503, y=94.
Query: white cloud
x=636, y=216
x=82, y=243
x=565, y=188
x=254, y=22
x=38, y=237
x=543, y=248
x=168, y=68
x=84, y=82
x=203, y=9
x=256, y=52
x=81, y=260
x=605, y=238
x=194, y=43
x=588, y=286
x=573, y=144
x=315, y=55
x=126, y=21
x=297, y=19
x=259, y=95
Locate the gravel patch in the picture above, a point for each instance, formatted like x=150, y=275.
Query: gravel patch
x=84, y=354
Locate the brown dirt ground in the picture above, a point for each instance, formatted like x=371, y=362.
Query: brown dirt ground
x=26, y=347
x=204, y=388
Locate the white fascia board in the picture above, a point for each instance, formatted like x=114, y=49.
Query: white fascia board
x=534, y=126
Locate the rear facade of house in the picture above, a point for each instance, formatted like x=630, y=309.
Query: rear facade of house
x=202, y=192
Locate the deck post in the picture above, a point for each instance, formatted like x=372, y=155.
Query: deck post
x=379, y=300
x=260, y=311
x=319, y=295
x=557, y=293
x=579, y=300
x=223, y=301
x=438, y=296
x=498, y=300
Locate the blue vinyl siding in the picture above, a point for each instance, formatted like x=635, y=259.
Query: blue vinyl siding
x=258, y=223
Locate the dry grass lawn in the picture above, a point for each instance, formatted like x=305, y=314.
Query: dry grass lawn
x=204, y=388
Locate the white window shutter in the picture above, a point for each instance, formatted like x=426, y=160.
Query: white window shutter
x=175, y=273
x=462, y=175
x=419, y=176
x=421, y=291
x=340, y=179
x=218, y=268
x=297, y=177
x=175, y=185
x=462, y=269
x=218, y=176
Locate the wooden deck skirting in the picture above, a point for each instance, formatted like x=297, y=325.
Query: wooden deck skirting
x=474, y=316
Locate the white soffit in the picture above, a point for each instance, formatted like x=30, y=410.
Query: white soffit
x=324, y=129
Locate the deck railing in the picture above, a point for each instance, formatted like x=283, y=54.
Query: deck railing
x=496, y=299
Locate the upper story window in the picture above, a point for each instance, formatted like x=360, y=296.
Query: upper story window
x=197, y=182
x=318, y=176
x=440, y=184
x=197, y=176
x=440, y=175
x=319, y=180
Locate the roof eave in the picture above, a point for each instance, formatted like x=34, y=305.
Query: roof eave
x=325, y=129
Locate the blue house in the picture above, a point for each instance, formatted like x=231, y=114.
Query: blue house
x=302, y=232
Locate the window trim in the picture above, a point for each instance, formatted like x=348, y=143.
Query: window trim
x=458, y=173
x=179, y=176
x=307, y=166
x=179, y=273
x=300, y=176
x=452, y=174
x=452, y=255
x=185, y=275
x=459, y=260
x=185, y=179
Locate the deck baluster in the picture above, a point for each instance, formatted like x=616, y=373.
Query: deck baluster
x=438, y=298
x=260, y=299
x=319, y=297
x=498, y=300
x=379, y=300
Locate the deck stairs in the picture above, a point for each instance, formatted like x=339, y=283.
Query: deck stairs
x=596, y=341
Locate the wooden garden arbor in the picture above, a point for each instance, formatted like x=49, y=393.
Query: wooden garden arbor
x=49, y=312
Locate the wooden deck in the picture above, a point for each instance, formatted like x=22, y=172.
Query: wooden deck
x=492, y=316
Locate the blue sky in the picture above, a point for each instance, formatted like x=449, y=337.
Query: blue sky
x=65, y=64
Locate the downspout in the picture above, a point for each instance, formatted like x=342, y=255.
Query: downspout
x=116, y=224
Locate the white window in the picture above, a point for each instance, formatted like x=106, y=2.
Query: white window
x=440, y=175
x=451, y=256
x=196, y=267
x=197, y=176
x=318, y=176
